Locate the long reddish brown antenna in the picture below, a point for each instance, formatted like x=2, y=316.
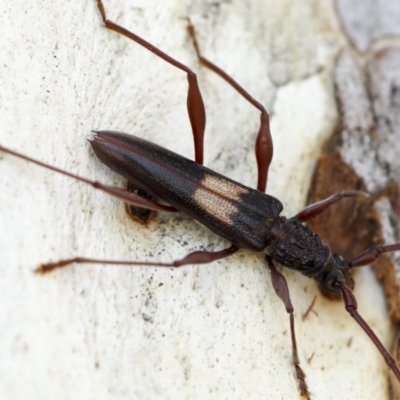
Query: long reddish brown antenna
x=350, y=303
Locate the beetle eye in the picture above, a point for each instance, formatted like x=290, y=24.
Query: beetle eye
x=330, y=284
x=332, y=281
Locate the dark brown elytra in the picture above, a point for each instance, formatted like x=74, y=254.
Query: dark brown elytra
x=148, y=167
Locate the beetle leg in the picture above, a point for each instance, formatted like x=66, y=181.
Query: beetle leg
x=196, y=257
x=115, y=191
x=139, y=214
x=371, y=255
x=319, y=207
x=195, y=105
x=281, y=289
x=264, y=146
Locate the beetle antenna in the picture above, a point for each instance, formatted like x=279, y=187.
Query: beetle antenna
x=350, y=303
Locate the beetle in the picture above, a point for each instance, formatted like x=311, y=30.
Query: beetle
x=247, y=217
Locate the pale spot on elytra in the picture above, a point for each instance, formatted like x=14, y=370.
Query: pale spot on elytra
x=215, y=196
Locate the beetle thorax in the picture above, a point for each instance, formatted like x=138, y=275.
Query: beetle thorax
x=296, y=246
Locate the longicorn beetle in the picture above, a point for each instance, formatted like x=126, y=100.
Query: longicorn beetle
x=248, y=218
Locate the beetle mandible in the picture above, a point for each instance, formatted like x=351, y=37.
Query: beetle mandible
x=246, y=217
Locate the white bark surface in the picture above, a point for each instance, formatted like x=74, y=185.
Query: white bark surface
x=200, y=332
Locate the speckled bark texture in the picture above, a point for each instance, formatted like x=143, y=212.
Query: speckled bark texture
x=364, y=152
